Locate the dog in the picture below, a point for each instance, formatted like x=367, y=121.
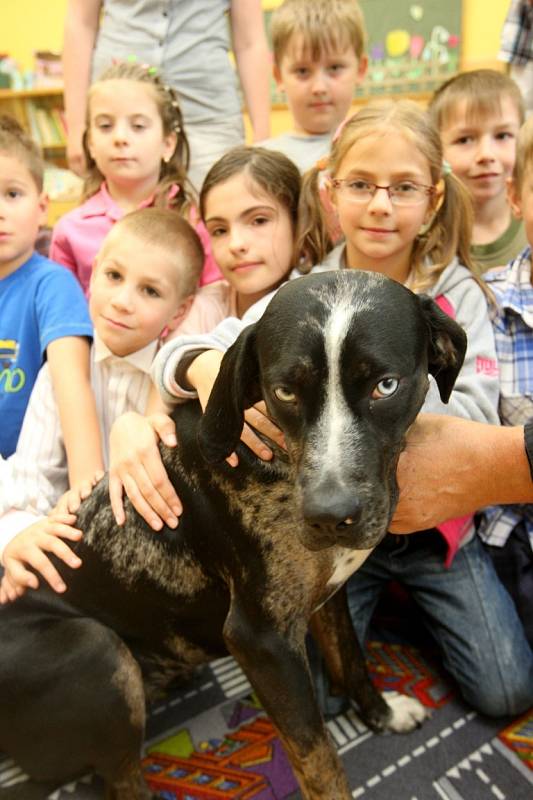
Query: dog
x=342, y=361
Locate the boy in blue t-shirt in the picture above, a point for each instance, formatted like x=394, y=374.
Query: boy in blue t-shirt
x=43, y=313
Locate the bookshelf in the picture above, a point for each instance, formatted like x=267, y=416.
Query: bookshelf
x=40, y=112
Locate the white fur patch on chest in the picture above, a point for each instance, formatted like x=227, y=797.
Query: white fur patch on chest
x=345, y=563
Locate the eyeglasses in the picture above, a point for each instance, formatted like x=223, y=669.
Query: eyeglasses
x=403, y=193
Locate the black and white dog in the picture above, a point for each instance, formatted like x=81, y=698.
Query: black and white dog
x=342, y=361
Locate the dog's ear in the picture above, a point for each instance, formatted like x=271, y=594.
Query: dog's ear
x=447, y=346
x=236, y=388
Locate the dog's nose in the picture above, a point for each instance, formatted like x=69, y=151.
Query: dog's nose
x=332, y=510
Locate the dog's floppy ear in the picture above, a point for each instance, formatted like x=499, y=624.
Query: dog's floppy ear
x=447, y=346
x=235, y=389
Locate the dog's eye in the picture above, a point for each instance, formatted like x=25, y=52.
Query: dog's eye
x=385, y=388
x=284, y=395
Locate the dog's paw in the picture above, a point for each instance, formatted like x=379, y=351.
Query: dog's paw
x=406, y=712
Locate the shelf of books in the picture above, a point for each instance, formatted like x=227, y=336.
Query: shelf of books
x=41, y=112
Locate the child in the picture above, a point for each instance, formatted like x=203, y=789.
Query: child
x=144, y=276
x=406, y=216
x=479, y=114
x=508, y=530
x=43, y=314
x=137, y=154
x=319, y=58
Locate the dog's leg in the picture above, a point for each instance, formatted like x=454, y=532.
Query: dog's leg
x=276, y=665
x=333, y=631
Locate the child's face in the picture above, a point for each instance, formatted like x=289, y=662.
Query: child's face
x=521, y=200
x=481, y=151
x=133, y=293
x=251, y=236
x=379, y=234
x=125, y=135
x=22, y=211
x=319, y=93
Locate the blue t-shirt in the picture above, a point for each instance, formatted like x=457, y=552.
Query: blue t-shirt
x=40, y=302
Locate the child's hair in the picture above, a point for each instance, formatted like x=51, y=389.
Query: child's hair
x=449, y=232
x=324, y=25
x=483, y=90
x=163, y=228
x=270, y=171
x=524, y=152
x=14, y=141
x=173, y=172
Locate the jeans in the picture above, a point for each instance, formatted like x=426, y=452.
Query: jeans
x=467, y=610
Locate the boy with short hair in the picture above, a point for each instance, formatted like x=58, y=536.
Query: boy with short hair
x=319, y=58
x=142, y=285
x=479, y=114
x=508, y=530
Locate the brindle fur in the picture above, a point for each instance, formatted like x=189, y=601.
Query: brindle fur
x=250, y=561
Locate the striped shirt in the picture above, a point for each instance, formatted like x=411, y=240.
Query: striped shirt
x=513, y=333
x=516, y=45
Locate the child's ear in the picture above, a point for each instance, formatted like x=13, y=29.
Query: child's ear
x=514, y=198
x=277, y=77
x=362, y=68
x=43, y=208
x=170, y=143
x=180, y=314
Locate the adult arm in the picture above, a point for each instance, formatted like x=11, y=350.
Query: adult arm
x=452, y=467
x=81, y=26
x=253, y=62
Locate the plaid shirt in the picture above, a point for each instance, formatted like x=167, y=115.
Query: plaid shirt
x=513, y=333
x=516, y=45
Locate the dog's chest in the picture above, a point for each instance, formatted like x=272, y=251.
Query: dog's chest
x=345, y=563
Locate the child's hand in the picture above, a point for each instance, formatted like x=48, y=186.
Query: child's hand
x=136, y=467
x=28, y=549
x=70, y=502
x=202, y=374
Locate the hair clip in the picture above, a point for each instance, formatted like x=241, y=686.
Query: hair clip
x=322, y=163
x=446, y=168
x=131, y=58
x=150, y=70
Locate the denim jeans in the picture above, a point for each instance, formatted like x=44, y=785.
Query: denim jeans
x=467, y=610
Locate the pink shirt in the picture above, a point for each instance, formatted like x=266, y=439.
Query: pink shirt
x=77, y=236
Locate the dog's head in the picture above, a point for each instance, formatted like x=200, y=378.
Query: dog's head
x=342, y=361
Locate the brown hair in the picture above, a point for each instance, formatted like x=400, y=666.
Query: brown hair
x=449, y=233
x=524, y=153
x=14, y=141
x=483, y=90
x=324, y=25
x=274, y=173
x=172, y=173
x=165, y=229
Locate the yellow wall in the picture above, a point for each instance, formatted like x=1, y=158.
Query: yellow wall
x=28, y=25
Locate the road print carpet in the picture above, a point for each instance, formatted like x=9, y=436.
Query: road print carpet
x=211, y=741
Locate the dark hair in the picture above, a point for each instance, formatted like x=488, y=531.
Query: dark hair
x=14, y=141
x=173, y=172
x=270, y=170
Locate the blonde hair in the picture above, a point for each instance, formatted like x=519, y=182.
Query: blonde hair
x=14, y=141
x=271, y=171
x=163, y=228
x=173, y=172
x=524, y=153
x=448, y=234
x=324, y=25
x=482, y=89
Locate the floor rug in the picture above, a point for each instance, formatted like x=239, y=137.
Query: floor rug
x=211, y=740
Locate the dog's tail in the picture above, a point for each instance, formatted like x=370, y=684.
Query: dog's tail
x=28, y=790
